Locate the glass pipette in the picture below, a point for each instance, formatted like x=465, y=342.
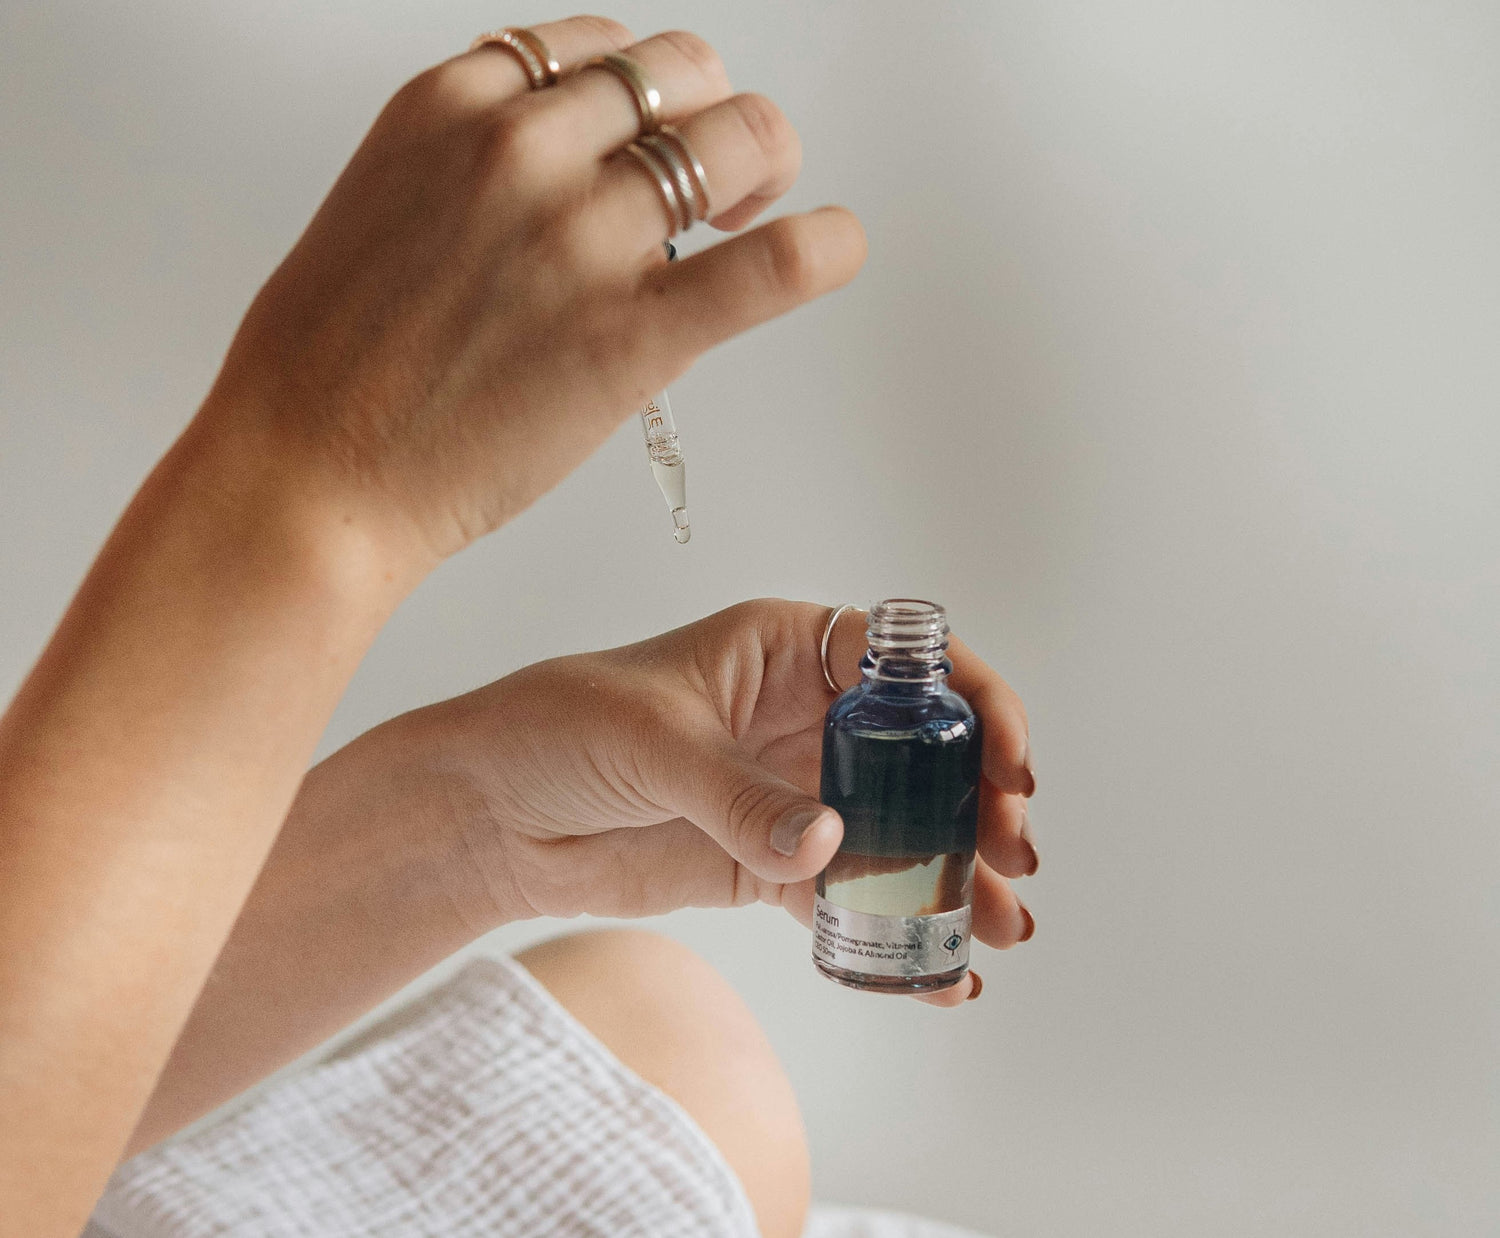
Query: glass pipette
x=665, y=453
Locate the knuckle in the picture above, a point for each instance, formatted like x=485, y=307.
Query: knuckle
x=750, y=812
x=699, y=53
x=517, y=143
x=755, y=612
x=766, y=124
x=745, y=630
x=443, y=90
x=790, y=265
x=619, y=35
x=418, y=94
x=763, y=624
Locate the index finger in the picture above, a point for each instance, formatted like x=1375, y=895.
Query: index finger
x=738, y=284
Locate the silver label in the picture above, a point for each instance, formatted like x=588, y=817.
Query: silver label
x=890, y=945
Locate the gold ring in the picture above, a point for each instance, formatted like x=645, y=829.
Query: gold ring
x=647, y=97
x=662, y=177
x=670, y=148
x=527, y=47
x=828, y=636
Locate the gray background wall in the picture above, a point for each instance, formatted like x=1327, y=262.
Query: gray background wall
x=1173, y=372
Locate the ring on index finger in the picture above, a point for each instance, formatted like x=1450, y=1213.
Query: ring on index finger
x=828, y=627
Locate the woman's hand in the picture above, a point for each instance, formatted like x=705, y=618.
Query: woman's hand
x=683, y=771
x=483, y=296
x=676, y=772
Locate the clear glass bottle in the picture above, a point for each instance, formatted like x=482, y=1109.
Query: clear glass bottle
x=901, y=760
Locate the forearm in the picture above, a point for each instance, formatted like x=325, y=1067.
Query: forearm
x=370, y=882
x=144, y=768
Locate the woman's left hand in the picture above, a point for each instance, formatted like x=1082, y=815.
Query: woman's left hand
x=683, y=771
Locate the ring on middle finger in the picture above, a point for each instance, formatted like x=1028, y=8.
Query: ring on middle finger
x=647, y=97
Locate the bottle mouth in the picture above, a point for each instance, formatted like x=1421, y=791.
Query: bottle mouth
x=908, y=638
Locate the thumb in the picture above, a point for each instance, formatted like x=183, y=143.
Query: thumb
x=769, y=825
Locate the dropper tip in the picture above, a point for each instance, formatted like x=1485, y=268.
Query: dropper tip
x=680, y=531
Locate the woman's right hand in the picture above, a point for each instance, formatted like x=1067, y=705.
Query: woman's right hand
x=483, y=296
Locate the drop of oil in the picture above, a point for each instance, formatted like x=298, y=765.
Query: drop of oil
x=681, y=531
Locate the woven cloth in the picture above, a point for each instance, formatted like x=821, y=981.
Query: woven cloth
x=481, y=1108
x=484, y=1108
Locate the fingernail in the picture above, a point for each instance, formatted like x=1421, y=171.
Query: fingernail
x=787, y=833
x=1030, y=925
x=978, y=986
x=1026, y=837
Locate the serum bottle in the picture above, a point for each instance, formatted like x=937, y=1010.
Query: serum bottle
x=901, y=760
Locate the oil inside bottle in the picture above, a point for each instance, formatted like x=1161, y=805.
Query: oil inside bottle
x=901, y=754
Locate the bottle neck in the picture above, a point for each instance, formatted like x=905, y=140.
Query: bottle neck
x=908, y=644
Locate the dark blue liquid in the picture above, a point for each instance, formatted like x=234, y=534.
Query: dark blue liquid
x=901, y=764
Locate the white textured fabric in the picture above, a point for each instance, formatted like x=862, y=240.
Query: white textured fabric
x=485, y=1108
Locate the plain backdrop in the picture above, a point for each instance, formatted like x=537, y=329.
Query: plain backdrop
x=1174, y=373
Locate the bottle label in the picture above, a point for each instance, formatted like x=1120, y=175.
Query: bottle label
x=860, y=941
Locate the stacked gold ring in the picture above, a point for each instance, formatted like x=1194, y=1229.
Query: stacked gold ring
x=677, y=174
x=647, y=97
x=527, y=47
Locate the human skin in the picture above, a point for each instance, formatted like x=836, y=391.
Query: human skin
x=622, y=783
x=478, y=303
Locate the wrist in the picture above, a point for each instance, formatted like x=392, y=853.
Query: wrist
x=273, y=504
x=456, y=837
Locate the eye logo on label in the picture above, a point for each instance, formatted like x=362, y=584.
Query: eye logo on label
x=953, y=943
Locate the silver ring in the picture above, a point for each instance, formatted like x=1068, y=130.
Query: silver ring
x=661, y=176
x=692, y=180
x=828, y=636
x=682, y=180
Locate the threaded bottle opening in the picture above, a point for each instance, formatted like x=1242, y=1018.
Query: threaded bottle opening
x=908, y=639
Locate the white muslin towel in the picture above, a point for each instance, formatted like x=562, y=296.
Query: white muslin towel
x=481, y=1109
